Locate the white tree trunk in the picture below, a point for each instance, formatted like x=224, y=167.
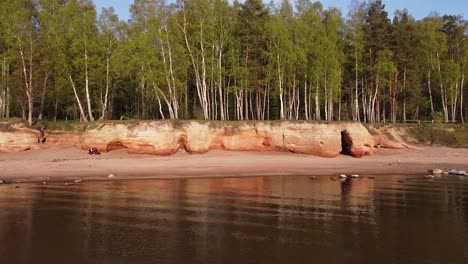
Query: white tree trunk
x=356, y=116
x=88, y=97
x=280, y=86
x=461, y=96
x=106, y=94
x=27, y=79
x=220, y=82
x=43, y=94
x=429, y=88
x=201, y=87
x=78, y=101
x=317, y=103
x=306, y=106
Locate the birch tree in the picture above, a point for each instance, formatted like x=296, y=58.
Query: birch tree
x=21, y=25
x=356, y=36
x=109, y=26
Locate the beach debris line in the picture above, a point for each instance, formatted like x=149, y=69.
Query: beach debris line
x=445, y=172
x=458, y=172
x=344, y=176
x=6, y=181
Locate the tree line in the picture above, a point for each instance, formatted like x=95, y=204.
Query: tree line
x=216, y=60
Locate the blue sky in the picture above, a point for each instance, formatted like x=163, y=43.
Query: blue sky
x=418, y=8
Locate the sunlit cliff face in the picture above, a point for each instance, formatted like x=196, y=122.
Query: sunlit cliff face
x=169, y=137
x=163, y=138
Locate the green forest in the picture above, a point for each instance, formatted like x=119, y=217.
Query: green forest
x=230, y=60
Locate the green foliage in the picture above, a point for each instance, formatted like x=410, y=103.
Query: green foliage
x=438, y=116
x=64, y=125
x=384, y=66
x=218, y=59
x=452, y=136
x=377, y=28
x=251, y=29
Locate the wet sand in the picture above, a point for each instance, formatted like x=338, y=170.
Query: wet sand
x=64, y=164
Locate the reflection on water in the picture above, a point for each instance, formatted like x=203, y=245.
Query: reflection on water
x=237, y=220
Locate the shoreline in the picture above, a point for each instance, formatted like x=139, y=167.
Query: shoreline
x=68, y=164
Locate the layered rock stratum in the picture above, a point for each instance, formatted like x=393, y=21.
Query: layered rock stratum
x=170, y=136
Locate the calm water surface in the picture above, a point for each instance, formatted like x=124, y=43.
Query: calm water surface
x=390, y=219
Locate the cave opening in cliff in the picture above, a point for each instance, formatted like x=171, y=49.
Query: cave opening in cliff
x=115, y=145
x=183, y=144
x=346, y=143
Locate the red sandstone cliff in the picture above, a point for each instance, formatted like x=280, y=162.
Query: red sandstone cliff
x=168, y=137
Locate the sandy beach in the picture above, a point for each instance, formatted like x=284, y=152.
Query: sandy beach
x=62, y=164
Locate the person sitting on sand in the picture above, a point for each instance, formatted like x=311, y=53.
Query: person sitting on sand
x=94, y=151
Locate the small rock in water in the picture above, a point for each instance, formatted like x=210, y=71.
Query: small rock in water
x=110, y=176
x=343, y=176
x=44, y=183
x=16, y=186
x=1, y=181
x=355, y=176
x=455, y=172
x=437, y=172
x=78, y=181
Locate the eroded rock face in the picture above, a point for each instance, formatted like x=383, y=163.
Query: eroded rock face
x=385, y=142
x=18, y=140
x=389, y=137
x=63, y=139
x=157, y=138
x=168, y=137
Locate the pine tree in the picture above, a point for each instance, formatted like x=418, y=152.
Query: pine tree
x=251, y=29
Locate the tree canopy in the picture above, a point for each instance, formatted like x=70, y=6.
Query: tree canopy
x=224, y=60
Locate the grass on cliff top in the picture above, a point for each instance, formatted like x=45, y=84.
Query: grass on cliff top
x=79, y=126
x=449, y=135
x=438, y=134
x=7, y=123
